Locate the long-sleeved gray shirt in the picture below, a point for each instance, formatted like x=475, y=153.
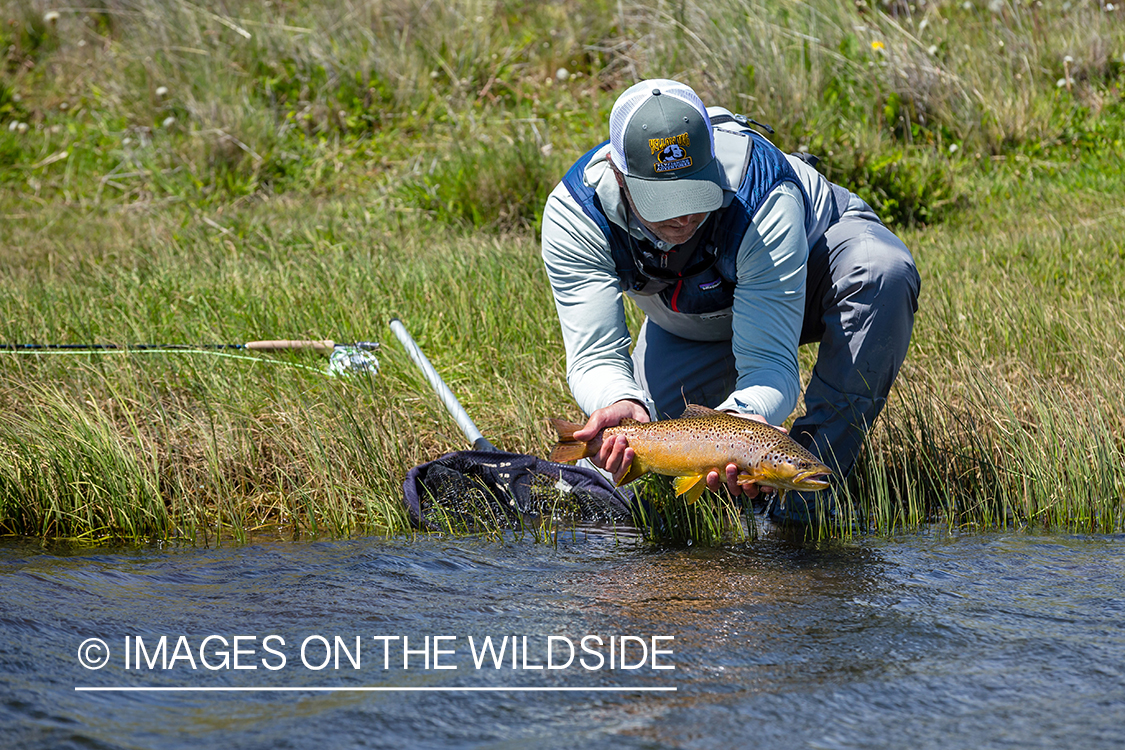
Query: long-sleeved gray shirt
x=763, y=325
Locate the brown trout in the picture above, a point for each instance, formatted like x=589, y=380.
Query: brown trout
x=701, y=441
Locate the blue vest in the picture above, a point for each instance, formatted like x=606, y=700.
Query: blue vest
x=707, y=281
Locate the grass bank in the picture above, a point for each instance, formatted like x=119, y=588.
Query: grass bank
x=171, y=173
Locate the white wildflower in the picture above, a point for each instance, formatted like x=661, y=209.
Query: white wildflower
x=953, y=148
x=162, y=91
x=22, y=127
x=51, y=17
x=168, y=122
x=562, y=74
x=13, y=125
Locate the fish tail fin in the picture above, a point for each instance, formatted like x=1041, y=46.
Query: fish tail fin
x=568, y=449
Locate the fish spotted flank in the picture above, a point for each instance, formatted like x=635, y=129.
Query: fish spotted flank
x=701, y=441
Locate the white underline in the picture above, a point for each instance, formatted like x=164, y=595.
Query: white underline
x=373, y=689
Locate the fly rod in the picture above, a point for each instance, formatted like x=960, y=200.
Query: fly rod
x=325, y=346
x=344, y=359
x=452, y=405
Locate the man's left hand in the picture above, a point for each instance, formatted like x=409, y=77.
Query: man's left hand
x=715, y=481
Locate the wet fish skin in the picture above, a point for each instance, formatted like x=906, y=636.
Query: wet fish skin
x=701, y=441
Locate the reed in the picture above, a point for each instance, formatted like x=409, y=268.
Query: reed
x=177, y=173
x=711, y=521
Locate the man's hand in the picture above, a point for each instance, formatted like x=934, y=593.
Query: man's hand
x=614, y=454
x=714, y=481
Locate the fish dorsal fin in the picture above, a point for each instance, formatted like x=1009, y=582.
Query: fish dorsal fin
x=695, y=410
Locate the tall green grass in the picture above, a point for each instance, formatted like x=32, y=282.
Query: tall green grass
x=178, y=173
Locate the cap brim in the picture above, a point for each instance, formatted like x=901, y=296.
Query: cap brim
x=662, y=199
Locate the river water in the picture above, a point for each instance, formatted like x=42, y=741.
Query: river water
x=926, y=641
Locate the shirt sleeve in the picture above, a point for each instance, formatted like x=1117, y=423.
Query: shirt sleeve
x=587, y=296
x=769, y=308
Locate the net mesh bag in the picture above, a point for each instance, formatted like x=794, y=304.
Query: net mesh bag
x=475, y=489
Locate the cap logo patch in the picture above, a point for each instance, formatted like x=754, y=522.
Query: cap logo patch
x=670, y=153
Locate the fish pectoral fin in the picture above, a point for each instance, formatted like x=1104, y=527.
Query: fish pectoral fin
x=755, y=478
x=691, y=485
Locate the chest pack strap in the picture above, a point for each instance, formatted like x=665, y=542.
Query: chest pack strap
x=841, y=196
x=618, y=239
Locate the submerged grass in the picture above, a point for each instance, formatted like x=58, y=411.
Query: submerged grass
x=711, y=521
x=173, y=173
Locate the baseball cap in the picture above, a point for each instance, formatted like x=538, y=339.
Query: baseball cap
x=660, y=140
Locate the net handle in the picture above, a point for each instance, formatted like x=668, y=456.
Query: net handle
x=452, y=405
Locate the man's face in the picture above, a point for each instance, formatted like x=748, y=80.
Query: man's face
x=674, y=231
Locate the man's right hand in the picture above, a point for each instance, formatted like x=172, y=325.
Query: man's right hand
x=614, y=454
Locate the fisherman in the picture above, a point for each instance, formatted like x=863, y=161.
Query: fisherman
x=737, y=253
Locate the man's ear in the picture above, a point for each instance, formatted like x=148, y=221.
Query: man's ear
x=616, y=171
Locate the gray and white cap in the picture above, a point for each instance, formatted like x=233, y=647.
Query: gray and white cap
x=660, y=140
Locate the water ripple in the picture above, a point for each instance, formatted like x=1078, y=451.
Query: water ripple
x=988, y=641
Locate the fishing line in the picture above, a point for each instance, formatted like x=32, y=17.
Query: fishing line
x=153, y=350
x=344, y=359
